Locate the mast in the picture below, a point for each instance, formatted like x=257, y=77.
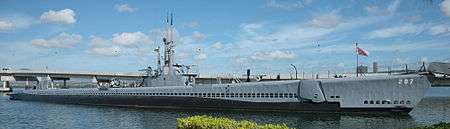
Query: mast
x=169, y=45
x=158, y=58
x=357, y=61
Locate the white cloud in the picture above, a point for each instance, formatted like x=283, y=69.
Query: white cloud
x=401, y=60
x=201, y=56
x=440, y=30
x=199, y=36
x=415, y=18
x=103, y=47
x=330, y=20
x=124, y=8
x=130, y=38
x=340, y=65
x=391, y=9
x=287, y=5
x=375, y=10
x=66, y=16
x=63, y=40
x=251, y=29
x=6, y=26
x=396, y=31
x=185, y=40
x=273, y=55
x=423, y=59
x=192, y=24
x=445, y=7
x=217, y=45
x=15, y=21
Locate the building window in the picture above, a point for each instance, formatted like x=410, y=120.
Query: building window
x=266, y=95
x=271, y=95
x=253, y=95
x=240, y=95
x=366, y=102
x=227, y=95
x=331, y=96
x=371, y=101
x=402, y=102
x=291, y=95
x=377, y=102
x=408, y=102
x=338, y=96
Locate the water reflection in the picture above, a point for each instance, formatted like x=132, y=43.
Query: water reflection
x=25, y=114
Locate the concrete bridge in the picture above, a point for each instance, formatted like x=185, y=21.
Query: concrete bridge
x=46, y=78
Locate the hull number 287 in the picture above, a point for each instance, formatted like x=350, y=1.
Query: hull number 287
x=405, y=81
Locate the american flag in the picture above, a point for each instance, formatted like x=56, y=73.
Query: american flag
x=362, y=51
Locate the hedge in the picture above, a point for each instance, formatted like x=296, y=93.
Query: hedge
x=208, y=122
x=441, y=125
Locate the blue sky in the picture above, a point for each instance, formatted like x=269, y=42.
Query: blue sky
x=223, y=36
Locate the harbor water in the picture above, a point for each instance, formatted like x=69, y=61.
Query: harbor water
x=433, y=109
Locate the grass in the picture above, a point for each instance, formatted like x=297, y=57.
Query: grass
x=441, y=125
x=208, y=122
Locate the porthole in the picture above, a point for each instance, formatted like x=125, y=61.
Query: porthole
x=371, y=101
x=377, y=102
x=408, y=102
x=366, y=102
x=331, y=96
x=338, y=96
x=402, y=102
x=395, y=102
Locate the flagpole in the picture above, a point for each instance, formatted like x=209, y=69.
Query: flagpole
x=357, y=61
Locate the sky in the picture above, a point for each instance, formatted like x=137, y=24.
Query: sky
x=227, y=36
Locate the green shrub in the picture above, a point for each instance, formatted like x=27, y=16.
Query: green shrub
x=245, y=124
x=274, y=126
x=208, y=122
x=441, y=125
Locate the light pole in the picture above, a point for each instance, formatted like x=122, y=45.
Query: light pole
x=295, y=68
